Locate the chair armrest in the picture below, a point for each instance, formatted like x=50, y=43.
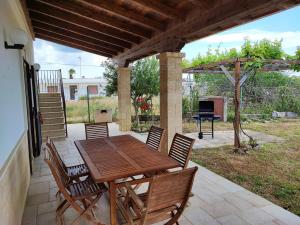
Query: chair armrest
x=134, y=196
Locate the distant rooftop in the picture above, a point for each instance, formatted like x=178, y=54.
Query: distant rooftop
x=82, y=80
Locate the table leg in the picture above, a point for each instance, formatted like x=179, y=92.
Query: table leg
x=112, y=196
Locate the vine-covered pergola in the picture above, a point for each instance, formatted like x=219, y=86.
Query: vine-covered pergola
x=237, y=71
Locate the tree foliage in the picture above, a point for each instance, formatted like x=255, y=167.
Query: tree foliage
x=111, y=76
x=259, y=50
x=261, y=93
x=71, y=73
x=263, y=49
x=144, y=82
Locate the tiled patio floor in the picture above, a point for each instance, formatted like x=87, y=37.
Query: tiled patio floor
x=226, y=137
x=216, y=200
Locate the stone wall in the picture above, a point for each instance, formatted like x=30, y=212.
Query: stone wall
x=170, y=95
x=124, y=100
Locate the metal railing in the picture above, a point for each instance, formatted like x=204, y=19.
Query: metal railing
x=63, y=101
x=50, y=81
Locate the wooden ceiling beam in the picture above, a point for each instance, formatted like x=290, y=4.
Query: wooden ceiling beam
x=108, y=40
x=73, y=41
x=160, y=8
x=124, y=13
x=83, y=22
x=91, y=14
x=204, y=4
x=78, y=36
x=214, y=20
x=71, y=45
x=27, y=17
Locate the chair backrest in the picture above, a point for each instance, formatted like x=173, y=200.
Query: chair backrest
x=55, y=154
x=61, y=178
x=155, y=137
x=170, y=189
x=181, y=149
x=96, y=130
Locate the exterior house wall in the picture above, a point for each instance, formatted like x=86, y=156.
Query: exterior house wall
x=14, y=156
x=82, y=85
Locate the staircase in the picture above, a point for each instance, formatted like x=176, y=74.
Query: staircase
x=52, y=109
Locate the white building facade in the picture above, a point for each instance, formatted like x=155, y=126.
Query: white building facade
x=79, y=87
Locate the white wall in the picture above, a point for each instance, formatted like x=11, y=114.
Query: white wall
x=82, y=90
x=14, y=159
x=13, y=120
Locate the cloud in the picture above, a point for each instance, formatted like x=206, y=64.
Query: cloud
x=235, y=39
x=289, y=38
x=53, y=56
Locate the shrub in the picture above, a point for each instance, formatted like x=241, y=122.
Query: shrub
x=185, y=106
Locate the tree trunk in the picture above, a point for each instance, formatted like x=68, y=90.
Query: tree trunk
x=151, y=108
x=237, y=92
x=136, y=111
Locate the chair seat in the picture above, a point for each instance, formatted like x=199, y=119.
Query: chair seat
x=86, y=188
x=78, y=170
x=153, y=216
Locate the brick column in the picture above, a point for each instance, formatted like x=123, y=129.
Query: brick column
x=124, y=101
x=170, y=95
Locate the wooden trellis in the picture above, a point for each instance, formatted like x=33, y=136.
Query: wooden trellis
x=232, y=68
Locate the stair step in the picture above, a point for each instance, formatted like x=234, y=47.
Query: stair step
x=49, y=99
x=55, y=126
x=53, y=120
x=56, y=138
x=50, y=104
x=53, y=133
x=56, y=94
x=51, y=115
x=51, y=109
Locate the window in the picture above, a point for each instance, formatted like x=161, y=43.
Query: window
x=93, y=89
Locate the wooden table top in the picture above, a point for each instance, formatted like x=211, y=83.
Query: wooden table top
x=121, y=156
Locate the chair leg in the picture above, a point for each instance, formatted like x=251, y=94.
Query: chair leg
x=175, y=217
x=60, y=211
x=61, y=205
x=84, y=212
x=173, y=214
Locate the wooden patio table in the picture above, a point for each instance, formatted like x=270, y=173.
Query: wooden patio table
x=117, y=157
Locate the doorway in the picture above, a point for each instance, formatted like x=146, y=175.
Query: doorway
x=73, y=91
x=33, y=121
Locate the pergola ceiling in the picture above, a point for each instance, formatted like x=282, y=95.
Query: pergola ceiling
x=126, y=30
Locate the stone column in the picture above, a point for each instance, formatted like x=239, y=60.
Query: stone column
x=124, y=101
x=170, y=96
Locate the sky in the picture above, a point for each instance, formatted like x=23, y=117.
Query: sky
x=284, y=25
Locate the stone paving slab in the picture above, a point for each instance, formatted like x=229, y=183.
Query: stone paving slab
x=222, y=138
x=216, y=200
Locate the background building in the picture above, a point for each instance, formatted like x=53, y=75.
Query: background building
x=77, y=87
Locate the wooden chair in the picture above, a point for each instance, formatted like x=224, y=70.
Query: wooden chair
x=181, y=149
x=154, y=140
x=96, y=130
x=166, y=198
x=155, y=137
x=81, y=196
x=74, y=172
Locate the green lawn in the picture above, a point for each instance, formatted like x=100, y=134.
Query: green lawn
x=272, y=172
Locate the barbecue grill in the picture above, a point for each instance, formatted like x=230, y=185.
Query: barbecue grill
x=206, y=112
